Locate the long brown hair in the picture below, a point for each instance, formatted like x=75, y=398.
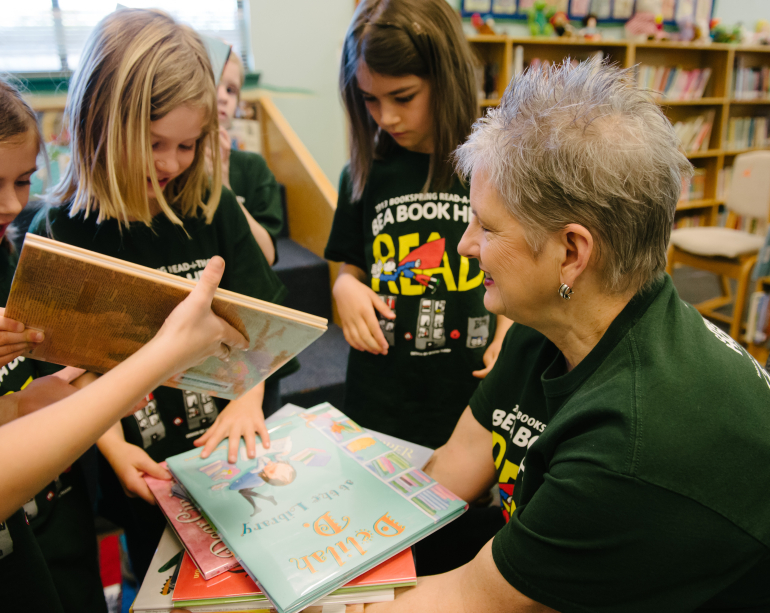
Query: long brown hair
x=409, y=37
x=137, y=66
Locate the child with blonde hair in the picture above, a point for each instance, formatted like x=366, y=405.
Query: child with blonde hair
x=142, y=110
x=48, y=555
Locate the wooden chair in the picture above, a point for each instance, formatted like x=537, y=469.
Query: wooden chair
x=728, y=253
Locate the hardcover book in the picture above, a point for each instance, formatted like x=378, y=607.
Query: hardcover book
x=200, y=539
x=96, y=311
x=235, y=585
x=157, y=588
x=326, y=502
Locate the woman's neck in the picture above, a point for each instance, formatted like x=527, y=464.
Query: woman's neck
x=579, y=324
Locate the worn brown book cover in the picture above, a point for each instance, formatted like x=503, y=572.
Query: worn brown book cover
x=96, y=311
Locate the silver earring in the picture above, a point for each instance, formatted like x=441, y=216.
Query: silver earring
x=565, y=291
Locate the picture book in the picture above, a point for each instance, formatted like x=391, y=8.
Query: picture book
x=236, y=586
x=200, y=539
x=97, y=310
x=155, y=594
x=323, y=504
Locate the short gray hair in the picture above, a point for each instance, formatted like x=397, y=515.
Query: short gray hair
x=582, y=144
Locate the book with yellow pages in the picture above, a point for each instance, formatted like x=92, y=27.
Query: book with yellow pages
x=96, y=311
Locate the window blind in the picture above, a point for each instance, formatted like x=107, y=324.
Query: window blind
x=47, y=36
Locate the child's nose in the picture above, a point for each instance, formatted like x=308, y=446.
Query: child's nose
x=167, y=163
x=9, y=202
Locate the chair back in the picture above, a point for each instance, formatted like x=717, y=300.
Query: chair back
x=749, y=193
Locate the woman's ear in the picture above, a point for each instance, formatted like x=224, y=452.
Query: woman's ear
x=578, y=244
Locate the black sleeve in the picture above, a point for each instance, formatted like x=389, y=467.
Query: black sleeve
x=591, y=539
x=255, y=183
x=346, y=241
x=246, y=269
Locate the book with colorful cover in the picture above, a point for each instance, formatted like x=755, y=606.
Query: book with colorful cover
x=199, y=537
x=325, y=503
x=235, y=585
x=155, y=593
x=96, y=311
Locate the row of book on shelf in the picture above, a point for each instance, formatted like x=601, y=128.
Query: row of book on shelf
x=674, y=82
x=747, y=132
x=724, y=219
x=337, y=531
x=750, y=82
x=695, y=188
x=695, y=133
x=758, y=324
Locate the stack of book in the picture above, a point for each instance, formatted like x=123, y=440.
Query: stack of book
x=325, y=515
x=695, y=133
x=747, y=133
x=673, y=82
x=750, y=83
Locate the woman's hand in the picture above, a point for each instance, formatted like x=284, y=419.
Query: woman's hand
x=130, y=463
x=15, y=339
x=356, y=304
x=241, y=418
x=192, y=332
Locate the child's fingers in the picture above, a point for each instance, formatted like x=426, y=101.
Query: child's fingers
x=152, y=468
x=261, y=429
x=234, y=440
x=214, y=438
x=209, y=280
x=382, y=307
x=9, y=358
x=375, y=332
x=481, y=374
x=365, y=333
x=251, y=443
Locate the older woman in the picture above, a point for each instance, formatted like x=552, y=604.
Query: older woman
x=629, y=437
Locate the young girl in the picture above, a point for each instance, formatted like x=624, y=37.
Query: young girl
x=55, y=568
x=411, y=307
x=244, y=172
x=142, y=110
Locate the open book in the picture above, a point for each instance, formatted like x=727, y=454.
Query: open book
x=96, y=311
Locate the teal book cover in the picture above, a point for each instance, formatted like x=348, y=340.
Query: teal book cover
x=324, y=503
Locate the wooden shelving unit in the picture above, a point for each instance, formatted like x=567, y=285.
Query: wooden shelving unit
x=720, y=58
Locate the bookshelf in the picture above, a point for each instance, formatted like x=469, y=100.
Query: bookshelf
x=719, y=94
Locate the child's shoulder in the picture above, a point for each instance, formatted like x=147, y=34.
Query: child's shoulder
x=247, y=159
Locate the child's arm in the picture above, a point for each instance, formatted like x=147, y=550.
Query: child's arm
x=356, y=304
x=61, y=432
x=130, y=462
x=240, y=418
x=263, y=238
x=490, y=355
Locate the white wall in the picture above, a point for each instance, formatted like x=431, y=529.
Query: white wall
x=297, y=44
x=745, y=11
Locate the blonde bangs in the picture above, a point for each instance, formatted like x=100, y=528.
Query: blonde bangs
x=138, y=66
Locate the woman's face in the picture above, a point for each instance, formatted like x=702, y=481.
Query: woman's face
x=18, y=161
x=517, y=284
x=228, y=92
x=173, y=139
x=400, y=106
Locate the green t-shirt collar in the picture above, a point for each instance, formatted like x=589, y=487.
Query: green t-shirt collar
x=558, y=384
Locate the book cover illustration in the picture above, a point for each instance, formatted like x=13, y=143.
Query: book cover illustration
x=198, y=536
x=325, y=503
x=156, y=591
x=96, y=311
x=235, y=585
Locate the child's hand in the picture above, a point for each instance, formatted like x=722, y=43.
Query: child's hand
x=356, y=304
x=192, y=332
x=241, y=418
x=15, y=339
x=131, y=462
